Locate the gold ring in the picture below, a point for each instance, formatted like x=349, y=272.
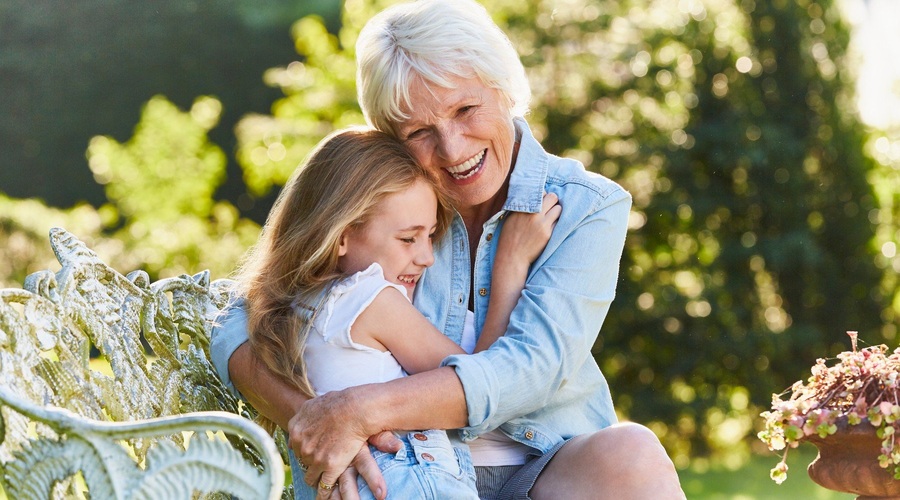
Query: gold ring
x=326, y=487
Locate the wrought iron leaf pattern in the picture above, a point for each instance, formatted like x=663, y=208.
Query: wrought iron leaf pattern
x=123, y=427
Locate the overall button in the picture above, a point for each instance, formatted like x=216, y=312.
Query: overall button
x=428, y=457
x=482, y=292
x=489, y=236
x=529, y=435
x=420, y=436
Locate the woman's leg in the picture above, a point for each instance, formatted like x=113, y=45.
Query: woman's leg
x=622, y=462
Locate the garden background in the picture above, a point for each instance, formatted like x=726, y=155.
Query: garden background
x=759, y=138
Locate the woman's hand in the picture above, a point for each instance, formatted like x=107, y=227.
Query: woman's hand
x=328, y=434
x=364, y=465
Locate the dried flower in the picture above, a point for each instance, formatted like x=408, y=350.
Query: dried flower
x=863, y=386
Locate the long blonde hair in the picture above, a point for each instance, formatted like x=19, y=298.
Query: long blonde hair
x=337, y=187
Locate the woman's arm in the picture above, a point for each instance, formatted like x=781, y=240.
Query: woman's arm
x=329, y=430
x=264, y=390
x=556, y=320
x=522, y=240
x=240, y=369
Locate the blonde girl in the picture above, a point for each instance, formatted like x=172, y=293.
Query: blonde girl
x=329, y=286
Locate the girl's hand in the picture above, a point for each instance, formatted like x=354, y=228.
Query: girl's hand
x=524, y=235
x=522, y=240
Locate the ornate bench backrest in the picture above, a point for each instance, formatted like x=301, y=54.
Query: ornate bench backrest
x=160, y=426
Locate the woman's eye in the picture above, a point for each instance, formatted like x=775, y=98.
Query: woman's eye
x=465, y=109
x=415, y=133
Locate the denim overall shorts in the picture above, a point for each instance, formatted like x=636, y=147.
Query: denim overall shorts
x=427, y=467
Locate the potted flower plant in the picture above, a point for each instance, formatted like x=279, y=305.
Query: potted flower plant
x=851, y=412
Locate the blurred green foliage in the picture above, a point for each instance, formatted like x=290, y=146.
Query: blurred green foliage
x=160, y=215
x=69, y=73
x=763, y=223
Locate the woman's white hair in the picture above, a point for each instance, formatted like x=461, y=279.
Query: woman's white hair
x=435, y=40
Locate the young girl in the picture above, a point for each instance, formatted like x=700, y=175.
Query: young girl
x=328, y=289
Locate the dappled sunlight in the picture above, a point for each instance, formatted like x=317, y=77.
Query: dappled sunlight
x=764, y=185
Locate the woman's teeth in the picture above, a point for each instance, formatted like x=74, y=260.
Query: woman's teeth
x=467, y=168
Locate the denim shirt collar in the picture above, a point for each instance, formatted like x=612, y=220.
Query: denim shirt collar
x=529, y=176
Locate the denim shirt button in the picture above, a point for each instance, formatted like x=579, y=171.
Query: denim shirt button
x=420, y=436
x=482, y=292
x=529, y=435
x=489, y=236
x=428, y=457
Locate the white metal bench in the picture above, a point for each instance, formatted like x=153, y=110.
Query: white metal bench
x=147, y=426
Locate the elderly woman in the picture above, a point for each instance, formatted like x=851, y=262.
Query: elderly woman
x=535, y=408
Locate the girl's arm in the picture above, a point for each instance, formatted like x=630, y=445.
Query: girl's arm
x=392, y=321
x=522, y=240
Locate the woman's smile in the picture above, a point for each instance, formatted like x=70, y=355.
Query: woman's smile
x=469, y=168
x=466, y=133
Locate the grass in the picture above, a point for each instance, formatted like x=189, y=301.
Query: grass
x=751, y=482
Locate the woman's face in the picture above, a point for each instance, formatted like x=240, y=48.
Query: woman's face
x=465, y=134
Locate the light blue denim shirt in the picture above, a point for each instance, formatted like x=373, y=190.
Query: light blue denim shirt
x=538, y=383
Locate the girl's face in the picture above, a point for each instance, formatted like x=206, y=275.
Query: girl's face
x=397, y=237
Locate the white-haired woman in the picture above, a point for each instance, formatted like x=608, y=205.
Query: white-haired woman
x=534, y=407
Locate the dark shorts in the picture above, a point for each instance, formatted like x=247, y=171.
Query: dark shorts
x=506, y=482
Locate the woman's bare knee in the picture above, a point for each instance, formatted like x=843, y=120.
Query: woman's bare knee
x=623, y=461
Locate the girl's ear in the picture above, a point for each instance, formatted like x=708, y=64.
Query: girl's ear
x=342, y=247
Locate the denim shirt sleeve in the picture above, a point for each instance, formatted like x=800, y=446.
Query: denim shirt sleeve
x=555, y=323
x=229, y=333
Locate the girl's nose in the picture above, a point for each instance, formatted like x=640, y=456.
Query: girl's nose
x=425, y=256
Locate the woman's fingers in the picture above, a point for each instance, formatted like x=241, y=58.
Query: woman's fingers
x=325, y=440
x=326, y=487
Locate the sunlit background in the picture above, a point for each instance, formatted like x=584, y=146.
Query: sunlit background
x=759, y=138
x=876, y=38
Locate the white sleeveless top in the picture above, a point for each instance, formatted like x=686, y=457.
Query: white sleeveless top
x=333, y=360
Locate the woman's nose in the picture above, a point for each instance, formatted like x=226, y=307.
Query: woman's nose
x=450, y=144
